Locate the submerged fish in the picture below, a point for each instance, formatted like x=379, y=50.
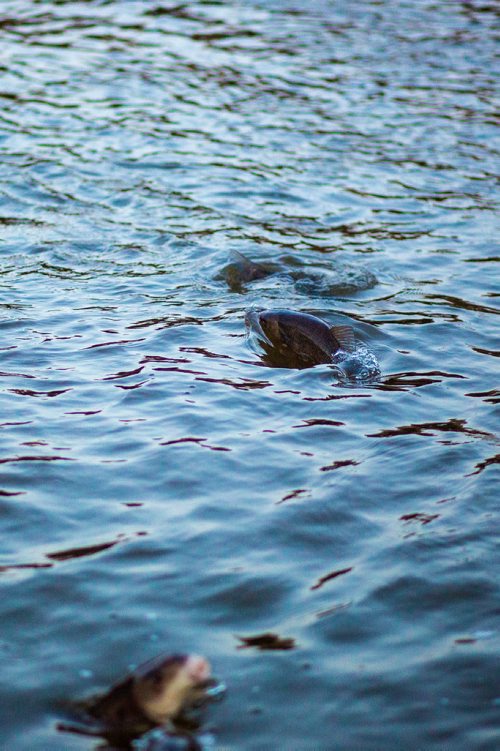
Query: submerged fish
x=300, y=340
x=338, y=279
x=159, y=691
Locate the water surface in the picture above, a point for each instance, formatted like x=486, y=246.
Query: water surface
x=161, y=489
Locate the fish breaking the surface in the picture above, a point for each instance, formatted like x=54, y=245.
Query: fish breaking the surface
x=156, y=693
x=299, y=340
x=336, y=278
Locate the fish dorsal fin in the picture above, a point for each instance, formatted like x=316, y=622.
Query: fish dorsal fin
x=345, y=337
x=238, y=257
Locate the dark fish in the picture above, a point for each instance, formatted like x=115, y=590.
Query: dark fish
x=298, y=340
x=339, y=279
x=242, y=270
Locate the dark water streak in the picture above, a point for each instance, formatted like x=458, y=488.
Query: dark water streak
x=345, y=536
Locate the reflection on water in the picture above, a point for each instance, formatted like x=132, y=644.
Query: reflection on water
x=330, y=547
x=266, y=641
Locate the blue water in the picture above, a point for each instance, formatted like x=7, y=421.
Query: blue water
x=161, y=488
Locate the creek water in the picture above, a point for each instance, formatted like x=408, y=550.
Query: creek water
x=163, y=489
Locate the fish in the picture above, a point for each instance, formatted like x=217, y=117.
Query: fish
x=158, y=693
x=242, y=270
x=298, y=340
x=338, y=278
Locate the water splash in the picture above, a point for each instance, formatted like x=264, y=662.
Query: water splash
x=360, y=366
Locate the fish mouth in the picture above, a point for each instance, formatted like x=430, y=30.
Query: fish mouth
x=207, y=686
x=253, y=326
x=199, y=672
x=198, y=669
x=208, y=691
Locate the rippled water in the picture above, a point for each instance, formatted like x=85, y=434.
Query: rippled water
x=160, y=487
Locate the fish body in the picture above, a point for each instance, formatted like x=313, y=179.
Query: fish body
x=242, y=270
x=338, y=278
x=298, y=340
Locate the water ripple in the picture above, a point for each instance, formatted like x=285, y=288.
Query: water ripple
x=158, y=482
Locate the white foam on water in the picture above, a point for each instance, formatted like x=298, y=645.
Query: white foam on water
x=360, y=366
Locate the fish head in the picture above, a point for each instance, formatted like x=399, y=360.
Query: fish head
x=164, y=687
x=301, y=333
x=254, y=326
x=291, y=339
x=269, y=324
